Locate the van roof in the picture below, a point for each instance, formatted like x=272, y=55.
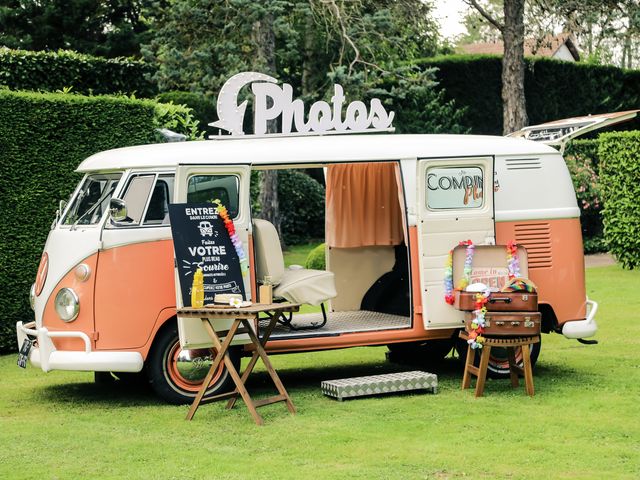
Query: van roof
x=309, y=149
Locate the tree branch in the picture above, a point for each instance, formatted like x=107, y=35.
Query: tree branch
x=485, y=14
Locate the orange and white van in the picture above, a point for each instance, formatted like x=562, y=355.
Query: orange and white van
x=104, y=298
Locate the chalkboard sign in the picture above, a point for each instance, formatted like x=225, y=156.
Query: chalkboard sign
x=201, y=240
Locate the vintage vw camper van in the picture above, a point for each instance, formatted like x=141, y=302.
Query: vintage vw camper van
x=104, y=298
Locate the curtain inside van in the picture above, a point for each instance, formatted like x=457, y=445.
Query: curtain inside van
x=363, y=205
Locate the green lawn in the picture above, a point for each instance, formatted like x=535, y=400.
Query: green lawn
x=582, y=423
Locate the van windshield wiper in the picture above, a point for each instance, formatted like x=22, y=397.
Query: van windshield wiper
x=104, y=196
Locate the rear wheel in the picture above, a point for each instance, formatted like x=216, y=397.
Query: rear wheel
x=176, y=374
x=498, y=362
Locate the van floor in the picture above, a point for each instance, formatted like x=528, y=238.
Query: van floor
x=340, y=322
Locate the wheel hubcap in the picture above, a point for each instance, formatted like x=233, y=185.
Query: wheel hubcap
x=188, y=368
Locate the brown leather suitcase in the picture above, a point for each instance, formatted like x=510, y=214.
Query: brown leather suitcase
x=499, y=301
x=508, y=324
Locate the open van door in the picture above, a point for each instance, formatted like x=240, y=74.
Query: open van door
x=455, y=199
x=199, y=184
x=560, y=132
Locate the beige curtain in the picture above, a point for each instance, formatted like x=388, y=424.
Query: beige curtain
x=363, y=207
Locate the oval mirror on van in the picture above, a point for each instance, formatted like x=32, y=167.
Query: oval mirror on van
x=117, y=209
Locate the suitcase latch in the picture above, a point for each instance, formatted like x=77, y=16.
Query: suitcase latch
x=525, y=297
x=515, y=324
x=499, y=324
x=529, y=323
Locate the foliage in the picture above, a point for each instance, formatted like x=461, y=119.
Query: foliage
x=582, y=160
x=301, y=206
x=107, y=28
x=67, y=70
x=608, y=32
x=43, y=138
x=203, y=108
x=553, y=89
x=620, y=180
x=198, y=43
x=317, y=258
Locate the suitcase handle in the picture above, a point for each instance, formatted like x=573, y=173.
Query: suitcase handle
x=499, y=299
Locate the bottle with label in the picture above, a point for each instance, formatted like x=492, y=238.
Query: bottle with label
x=197, y=289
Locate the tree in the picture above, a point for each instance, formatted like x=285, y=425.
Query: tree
x=99, y=27
x=514, y=108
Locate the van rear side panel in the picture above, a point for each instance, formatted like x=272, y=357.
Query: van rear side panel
x=536, y=206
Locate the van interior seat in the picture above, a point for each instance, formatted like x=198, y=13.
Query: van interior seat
x=301, y=285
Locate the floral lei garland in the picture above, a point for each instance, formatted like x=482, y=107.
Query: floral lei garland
x=476, y=340
x=222, y=211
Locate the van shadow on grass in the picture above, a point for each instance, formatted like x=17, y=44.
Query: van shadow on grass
x=116, y=393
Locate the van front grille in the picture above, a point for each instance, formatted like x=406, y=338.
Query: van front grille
x=523, y=163
x=536, y=238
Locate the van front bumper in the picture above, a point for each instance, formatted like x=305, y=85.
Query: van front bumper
x=583, y=328
x=44, y=354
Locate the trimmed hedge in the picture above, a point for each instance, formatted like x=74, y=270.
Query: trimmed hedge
x=61, y=70
x=620, y=180
x=582, y=160
x=43, y=138
x=316, y=260
x=554, y=89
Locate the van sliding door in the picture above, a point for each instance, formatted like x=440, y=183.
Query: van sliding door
x=455, y=203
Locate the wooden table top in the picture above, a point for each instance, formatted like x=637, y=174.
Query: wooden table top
x=216, y=310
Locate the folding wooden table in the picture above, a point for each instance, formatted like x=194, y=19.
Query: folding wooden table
x=242, y=319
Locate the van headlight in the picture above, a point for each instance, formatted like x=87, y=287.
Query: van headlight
x=67, y=305
x=32, y=296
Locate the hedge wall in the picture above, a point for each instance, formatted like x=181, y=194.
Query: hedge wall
x=554, y=89
x=57, y=71
x=43, y=138
x=620, y=180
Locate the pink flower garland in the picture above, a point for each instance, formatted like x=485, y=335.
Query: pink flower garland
x=235, y=240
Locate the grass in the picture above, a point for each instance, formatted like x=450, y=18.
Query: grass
x=582, y=422
x=297, y=254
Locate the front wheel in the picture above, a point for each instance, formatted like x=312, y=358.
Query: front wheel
x=176, y=374
x=498, y=361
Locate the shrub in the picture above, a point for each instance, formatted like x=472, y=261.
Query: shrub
x=316, y=260
x=43, y=138
x=61, y=70
x=582, y=160
x=554, y=89
x=620, y=179
x=204, y=110
x=301, y=202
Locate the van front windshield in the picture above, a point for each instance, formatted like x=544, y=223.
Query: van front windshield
x=92, y=199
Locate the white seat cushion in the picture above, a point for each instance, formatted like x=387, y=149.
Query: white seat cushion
x=306, y=286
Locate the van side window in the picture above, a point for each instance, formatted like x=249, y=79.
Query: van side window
x=136, y=196
x=158, y=209
x=454, y=187
x=207, y=188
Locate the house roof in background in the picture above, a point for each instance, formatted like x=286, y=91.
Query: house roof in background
x=545, y=47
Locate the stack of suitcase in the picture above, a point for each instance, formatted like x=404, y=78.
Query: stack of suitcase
x=508, y=313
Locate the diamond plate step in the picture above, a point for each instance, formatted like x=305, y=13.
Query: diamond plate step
x=377, y=384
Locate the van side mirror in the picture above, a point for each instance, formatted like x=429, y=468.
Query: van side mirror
x=117, y=209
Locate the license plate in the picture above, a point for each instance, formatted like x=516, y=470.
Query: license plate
x=23, y=356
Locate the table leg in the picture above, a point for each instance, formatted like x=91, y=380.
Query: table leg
x=466, y=377
x=513, y=366
x=222, y=355
x=272, y=373
x=254, y=358
x=482, y=372
x=528, y=372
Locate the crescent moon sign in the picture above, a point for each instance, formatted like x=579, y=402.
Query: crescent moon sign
x=230, y=114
